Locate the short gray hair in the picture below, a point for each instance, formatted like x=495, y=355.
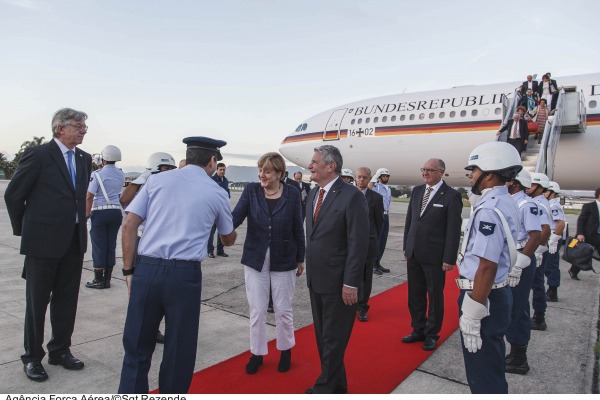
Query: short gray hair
x=331, y=154
x=64, y=115
x=366, y=169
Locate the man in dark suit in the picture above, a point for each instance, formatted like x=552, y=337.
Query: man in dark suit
x=335, y=259
x=518, y=133
x=431, y=237
x=303, y=187
x=45, y=200
x=529, y=84
x=375, y=203
x=588, y=228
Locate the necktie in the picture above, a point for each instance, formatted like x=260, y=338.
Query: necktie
x=71, y=169
x=514, y=130
x=319, y=203
x=425, y=198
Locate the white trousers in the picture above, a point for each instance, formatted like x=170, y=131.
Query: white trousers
x=282, y=284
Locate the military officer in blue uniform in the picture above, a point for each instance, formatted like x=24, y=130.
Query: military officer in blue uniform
x=539, y=185
x=557, y=226
x=521, y=279
x=488, y=253
x=179, y=208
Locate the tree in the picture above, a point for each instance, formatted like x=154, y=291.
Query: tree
x=9, y=167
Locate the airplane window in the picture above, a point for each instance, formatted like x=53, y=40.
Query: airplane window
x=375, y=119
x=298, y=128
x=474, y=112
x=463, y=113
x=497, y=111
x=486, y=111
x=421, y=116
x=452, y=114
x=442, y=114
x=304, y=126
x=393, y=118
x=359, y=121
x=352, y=122
x=431, y=115
x=402, y=117
x=593, y=104
x=412, y=116
x=367, y=120
x=383, y=119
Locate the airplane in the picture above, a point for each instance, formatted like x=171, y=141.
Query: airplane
x=400, y=132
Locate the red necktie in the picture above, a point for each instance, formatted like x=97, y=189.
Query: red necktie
x=319, y=204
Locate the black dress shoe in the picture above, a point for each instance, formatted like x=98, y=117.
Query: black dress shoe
x=362, y=316
x=285, y=360
x=573, y=275
x=340, y=390
x=35, y=371
x=413, y=337
x=377, y=271
x=67, y=361
x=223, y=254
x=382, y=269
x=309, y=391
x=429, y=344
x=211, y=255
x=253, y=364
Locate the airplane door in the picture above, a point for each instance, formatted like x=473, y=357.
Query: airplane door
x=332, y=130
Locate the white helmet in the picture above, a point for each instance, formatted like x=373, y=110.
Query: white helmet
x=97, y=159
x=524, y=178
x=347, y=172
x=383, y=171
x=111, y=153
x=554, y=187
x=157, y=159
x=498, y=157
x=540, y=179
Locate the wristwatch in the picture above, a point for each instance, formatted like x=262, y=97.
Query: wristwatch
x=128, y=271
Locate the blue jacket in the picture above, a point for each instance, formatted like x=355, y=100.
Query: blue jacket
x=282, y=232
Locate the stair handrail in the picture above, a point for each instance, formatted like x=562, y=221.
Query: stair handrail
x=547, y=154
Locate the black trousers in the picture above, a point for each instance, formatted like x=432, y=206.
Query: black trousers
x=55, y=282
x=426, y=285
x=333, y=321
x=365, y=294
x=517, y=144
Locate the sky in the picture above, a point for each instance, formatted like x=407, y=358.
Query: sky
x=150, y=73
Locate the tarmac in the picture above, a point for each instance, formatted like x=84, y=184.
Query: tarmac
x=562, y=358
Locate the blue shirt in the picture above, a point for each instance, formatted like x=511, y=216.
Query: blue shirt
x=179, y=208
x=384, y=191
x=530, y=220
x=113, y=179
x=556, y=213
x=544, y=209
x=486, y=237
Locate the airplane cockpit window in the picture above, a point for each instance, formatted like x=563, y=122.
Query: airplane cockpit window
x=442, y=114
x=402, y=117
x=463, y=113
x=384, y=119
x=393, y=118
x=422, y=116
x=593, y=104
x=304, y=126
x=298, y=128
x=474, y=113
x=452, y=114
x=412, y=116
x=375, y=120
x=352, y=122
x=431, y=115
x=367, y=120
x=497, y=111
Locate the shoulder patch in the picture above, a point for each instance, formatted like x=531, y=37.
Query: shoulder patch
x=534, y=210
x=555, y=212
x=487, y=228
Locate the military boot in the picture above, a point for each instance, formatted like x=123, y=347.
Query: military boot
x=516, y=361
x=107, y=276
x=552, y=294
x=538, y=322
x=98, y=282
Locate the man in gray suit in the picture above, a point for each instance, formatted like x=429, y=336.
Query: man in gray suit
x=336, y=252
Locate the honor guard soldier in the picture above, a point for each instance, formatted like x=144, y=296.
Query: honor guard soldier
x=557, y=226
x=379, y=185
x=520, y=278
x=168, y=278
x=488, y=252
x=539, y=185
x=347, y=175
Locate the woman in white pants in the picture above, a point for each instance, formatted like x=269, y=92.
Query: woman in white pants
x=273, y=256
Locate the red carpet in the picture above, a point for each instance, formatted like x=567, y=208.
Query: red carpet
x=376, y=360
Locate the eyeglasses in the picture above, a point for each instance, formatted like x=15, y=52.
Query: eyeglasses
x=83, y=128
x=429, y=171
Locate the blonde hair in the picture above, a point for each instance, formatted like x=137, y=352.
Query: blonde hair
x=273, y=161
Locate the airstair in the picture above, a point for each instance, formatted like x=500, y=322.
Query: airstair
x=568, y=118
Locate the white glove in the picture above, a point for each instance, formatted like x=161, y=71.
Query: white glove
x=553, y=243
x=375, y=178
x=514, y=276
x=470, y=322
x=539, y=255
x=141, y=180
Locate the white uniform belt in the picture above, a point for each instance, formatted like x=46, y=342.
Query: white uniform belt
x=521, y=244
x=106, y=207
x=468, y=284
